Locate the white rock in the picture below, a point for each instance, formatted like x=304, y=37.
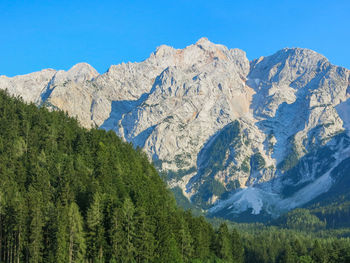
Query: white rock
x=176, y=104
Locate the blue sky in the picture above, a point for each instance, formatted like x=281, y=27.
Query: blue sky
x=41, y=34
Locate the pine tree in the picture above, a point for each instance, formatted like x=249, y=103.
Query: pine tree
x=305, y=259
x=144, y=241
x=298, y=247
x=171, y=251
x=71, y=245
x=77, y=246
x=318, y=253
x=96, y=229
x=202, y=235
x=223, y=243
x=115, y=234
x=62, y=234
x=288, y=255
x=20, y=215
x=237, y=247
x=183, y=236
x=128, y=227
x=36, y=226
x=2, y=218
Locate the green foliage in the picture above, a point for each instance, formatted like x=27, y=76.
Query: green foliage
x=77, y=247
x=95, y=229
x=213, y=155
x=223, y=243
x=181, y=160
x=210, y=161
x=209, y=187
x=232, y=185
x=301, y=219
x=257, y=162
x=184, y=203
x=279, y=245
x=68, y=194
x=333, y=207
x=237, y=247
x=245, y=167
x=291, y=158
x=169, y=175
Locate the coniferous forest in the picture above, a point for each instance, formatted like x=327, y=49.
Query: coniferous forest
x=68, y=194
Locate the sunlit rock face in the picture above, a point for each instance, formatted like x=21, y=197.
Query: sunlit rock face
x=235, y=136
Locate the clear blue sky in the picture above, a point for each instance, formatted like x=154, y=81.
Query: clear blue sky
x=57, y=34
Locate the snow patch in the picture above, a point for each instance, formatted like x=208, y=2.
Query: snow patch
x=247, y=198
x=309, y=192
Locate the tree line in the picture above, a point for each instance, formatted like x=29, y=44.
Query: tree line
x=68, y=194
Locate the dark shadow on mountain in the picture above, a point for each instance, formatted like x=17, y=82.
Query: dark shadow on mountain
x=119, y=108
x=140, y=139
x=48, y=90
x=122, y=107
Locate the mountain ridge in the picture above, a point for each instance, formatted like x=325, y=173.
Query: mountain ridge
x=218, y=123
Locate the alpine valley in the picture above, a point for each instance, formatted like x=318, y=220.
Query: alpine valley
x=240, y=139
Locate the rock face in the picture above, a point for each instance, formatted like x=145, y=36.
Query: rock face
x=233, y=135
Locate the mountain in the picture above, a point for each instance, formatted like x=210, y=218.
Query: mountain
x=236, y=138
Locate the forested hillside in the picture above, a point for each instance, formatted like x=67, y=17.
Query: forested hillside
x=68, y=194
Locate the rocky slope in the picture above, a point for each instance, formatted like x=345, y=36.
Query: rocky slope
x=258, y=137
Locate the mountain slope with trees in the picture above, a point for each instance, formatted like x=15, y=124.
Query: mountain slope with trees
x=68, y=194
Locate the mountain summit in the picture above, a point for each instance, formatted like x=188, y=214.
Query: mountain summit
x=259, y=137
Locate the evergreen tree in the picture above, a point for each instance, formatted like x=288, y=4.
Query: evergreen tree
x=298, y=247
x=96, y=229
x=202, y=236
x=128, y=229
x=115, y=234
x=185, y=240
x=62, y=235
x=71, y=244
x=144, y=240
x=223, y=245
x=288, y=255
x=77, y=245
x=305, y=259
x=36, y=225
x=237, y=247
x=318, y=253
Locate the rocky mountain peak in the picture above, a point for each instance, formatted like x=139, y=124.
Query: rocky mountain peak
x=205, y=44
x=203, y=41
x=82, y=71
x=200, y=54
x=78, y=73
x=288, y=64
x=219, y=126
x=164, y=51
